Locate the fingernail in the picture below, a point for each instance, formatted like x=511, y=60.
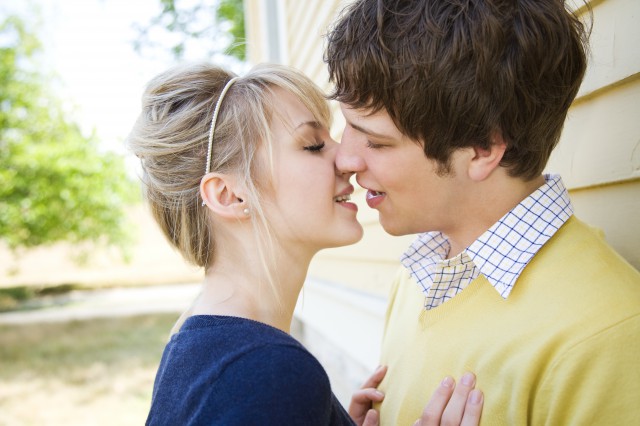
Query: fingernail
x=377, y=392
x=447, y=382
x=475, y=397
x=379, y=368
x=468, y=379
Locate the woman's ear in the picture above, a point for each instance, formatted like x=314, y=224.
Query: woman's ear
x=223, y=195
x=485, y=161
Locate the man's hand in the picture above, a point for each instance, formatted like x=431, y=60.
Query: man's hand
x=450, y=405
x=453, y=405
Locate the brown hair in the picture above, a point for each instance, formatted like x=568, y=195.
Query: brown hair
x=171, y=139
x=451, y=73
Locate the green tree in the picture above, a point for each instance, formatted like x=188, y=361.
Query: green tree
x=218, y=25
x=55, y=183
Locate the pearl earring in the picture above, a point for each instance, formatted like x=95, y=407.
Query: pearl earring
x=246, y=211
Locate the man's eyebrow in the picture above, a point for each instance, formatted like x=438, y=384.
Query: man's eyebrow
x=369, y=132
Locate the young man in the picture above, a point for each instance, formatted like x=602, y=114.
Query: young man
x=452, y=110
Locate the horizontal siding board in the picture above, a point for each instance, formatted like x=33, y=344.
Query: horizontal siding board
x=614, y=210
x=601, y=138
x=614, y=44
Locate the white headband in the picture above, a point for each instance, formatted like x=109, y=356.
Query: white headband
x=213, y=122
x=213, y=125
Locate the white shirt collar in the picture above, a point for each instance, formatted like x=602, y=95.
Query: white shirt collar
x=501, y=253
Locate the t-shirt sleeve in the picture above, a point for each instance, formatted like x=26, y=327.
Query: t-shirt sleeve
x=277, y=385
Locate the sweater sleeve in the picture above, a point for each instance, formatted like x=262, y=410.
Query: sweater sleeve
x=274, y=385
x=596, y=382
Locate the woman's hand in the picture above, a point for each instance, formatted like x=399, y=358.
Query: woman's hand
x=450, y=404
x=362, y=400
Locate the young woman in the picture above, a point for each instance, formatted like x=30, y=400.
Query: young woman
x=239, y=173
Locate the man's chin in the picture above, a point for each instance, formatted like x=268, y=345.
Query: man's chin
x=392, y=228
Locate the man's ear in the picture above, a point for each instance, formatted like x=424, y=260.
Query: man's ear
x=485, y=161
x=223, y=194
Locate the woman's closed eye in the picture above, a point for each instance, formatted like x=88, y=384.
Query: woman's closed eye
x=315, y=147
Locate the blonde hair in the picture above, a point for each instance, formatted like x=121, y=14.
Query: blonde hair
x=171, y=138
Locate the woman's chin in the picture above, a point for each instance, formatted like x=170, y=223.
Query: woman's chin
x=348, y=238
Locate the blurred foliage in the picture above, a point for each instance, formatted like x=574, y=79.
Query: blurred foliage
x=55, y=183
x=26, y=297
x=216, y=24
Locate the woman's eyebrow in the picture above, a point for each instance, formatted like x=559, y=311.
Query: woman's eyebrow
x=311, y=123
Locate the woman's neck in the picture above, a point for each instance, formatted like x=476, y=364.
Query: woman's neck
x=242, y=288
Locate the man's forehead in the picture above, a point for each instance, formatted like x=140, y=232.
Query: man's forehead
x=370, y=121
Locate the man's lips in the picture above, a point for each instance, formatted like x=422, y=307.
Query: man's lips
x=374, y=198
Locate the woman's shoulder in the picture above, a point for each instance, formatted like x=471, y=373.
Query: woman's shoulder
x=277, y=384
x=229, y=348
x=224, y=370
x=264, y=351
x=264, y=377
x=220, y=335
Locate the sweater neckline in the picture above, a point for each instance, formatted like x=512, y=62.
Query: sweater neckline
x=428, y=318
x=195, y=322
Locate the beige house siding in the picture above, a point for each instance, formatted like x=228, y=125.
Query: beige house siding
x=599, y=152
x=598, y=155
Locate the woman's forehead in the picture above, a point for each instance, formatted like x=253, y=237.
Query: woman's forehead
x=294, y=111
x=290, y=112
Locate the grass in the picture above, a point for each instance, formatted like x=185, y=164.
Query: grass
x=97, y=372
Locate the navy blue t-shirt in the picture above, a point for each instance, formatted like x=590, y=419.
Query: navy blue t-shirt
x=221, y=370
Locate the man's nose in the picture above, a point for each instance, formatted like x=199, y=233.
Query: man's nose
x=349, y=158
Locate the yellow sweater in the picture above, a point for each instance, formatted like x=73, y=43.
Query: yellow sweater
x=563, y=349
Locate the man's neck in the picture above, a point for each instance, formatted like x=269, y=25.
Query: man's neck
x=488, y=202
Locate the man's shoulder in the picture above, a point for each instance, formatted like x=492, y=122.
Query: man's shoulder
x=578, y=271
x=580, y=250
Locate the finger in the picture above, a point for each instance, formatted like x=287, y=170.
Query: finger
x=432, y=412
x=374, y=380
x=372, y=418
x=362, y=396
x=455, y=409
x=362, y=399
x=473, y=409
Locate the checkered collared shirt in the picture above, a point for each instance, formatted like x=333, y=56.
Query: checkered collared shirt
x=500, y=254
